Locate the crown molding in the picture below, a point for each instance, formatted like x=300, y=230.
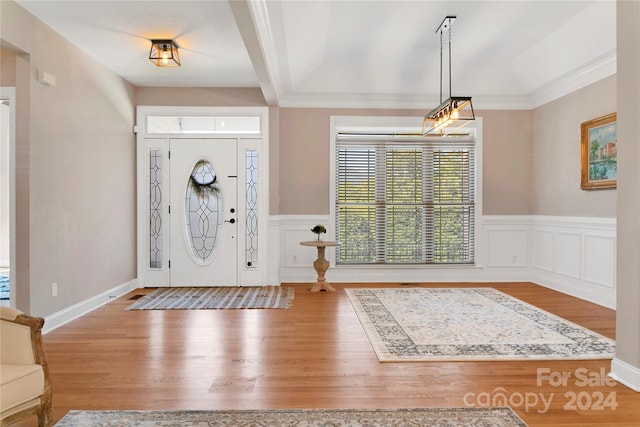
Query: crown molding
x=598, y=69
x=602, y=67
x=397, y=102
x=355, y=100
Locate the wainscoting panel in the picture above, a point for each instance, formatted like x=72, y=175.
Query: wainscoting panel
x=573, y=255
x=502, y=254
x=543, y=250
x=576, y=255
x=274, y=251
x=301, y=255
x=568, y=254
x=599, y=260
x=506, y=247
x=296, y=261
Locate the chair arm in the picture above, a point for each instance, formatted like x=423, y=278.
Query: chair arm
x=21, y=344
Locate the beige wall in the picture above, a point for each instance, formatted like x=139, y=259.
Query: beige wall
x=305, y=147
x=20, y=266
x=304, y=161
x=76, y=165
x=274, y=160
x=556, y=153
x=7, y=67
x=507, y=162
x=628, y=226
x=200, y=97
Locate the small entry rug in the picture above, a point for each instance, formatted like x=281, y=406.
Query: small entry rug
x=215, y=298
x=429, y=324
x=461, y=417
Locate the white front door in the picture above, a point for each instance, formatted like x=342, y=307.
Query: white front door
x=203, y=219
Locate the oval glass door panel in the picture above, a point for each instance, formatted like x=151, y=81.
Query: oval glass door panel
x=203, y=211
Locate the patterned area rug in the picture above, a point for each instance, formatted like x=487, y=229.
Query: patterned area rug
x=461, y=417
x=215, y=298
x=427, y=324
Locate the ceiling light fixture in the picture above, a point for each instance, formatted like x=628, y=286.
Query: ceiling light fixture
x=164, y=53
x=456, y=111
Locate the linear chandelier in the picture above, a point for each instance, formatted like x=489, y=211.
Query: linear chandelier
x=456, y=111
x=164, y=53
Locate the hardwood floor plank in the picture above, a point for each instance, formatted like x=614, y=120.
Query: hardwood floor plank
x=314, y=355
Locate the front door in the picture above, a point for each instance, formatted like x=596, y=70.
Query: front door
x=203, y=218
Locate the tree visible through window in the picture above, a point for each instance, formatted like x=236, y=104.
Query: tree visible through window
x=405, y=203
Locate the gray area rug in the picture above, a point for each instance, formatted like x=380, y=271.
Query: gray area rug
x=462, y=417
x=433, y=324
x=215, y=298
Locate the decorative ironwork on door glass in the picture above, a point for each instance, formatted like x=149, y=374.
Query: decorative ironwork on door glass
x=251, y=236
x=155, y=209
x=203, y=207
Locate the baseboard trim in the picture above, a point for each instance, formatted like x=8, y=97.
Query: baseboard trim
x=606, y=297
x=68, y=314
x=306, y=274
x=625, y=374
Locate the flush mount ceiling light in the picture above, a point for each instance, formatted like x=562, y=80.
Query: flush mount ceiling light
x=164, y=53
x=456, y=111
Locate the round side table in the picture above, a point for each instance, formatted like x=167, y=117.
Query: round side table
x=321, y=264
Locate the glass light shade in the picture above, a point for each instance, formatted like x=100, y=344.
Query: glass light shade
x=164, y=53
x=452, y=114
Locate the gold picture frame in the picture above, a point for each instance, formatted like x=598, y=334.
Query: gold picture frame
x=599, y=153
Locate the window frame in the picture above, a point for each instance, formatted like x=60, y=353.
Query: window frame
x=385, y=124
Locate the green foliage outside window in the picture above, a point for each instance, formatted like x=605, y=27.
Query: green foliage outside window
x=419, y=211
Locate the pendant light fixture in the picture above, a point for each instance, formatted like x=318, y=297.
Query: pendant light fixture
x=164, y=53
x=454, y=112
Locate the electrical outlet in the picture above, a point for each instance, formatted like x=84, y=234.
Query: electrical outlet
x=514, y=260
x=54, y=289
x=294, y=259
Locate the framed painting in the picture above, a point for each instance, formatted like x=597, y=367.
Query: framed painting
x=599, y=153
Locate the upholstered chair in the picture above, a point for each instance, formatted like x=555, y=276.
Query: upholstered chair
x=25, y=385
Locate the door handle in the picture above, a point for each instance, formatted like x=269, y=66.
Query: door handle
x=232, y=220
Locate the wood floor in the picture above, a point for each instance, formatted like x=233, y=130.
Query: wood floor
x=314, y=355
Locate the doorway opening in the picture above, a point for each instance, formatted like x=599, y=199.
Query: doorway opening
x=202, y=196
x=7, y=195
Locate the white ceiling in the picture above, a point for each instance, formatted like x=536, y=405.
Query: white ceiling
x=359, y=53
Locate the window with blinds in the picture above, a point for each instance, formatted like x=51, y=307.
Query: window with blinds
x=405, y=202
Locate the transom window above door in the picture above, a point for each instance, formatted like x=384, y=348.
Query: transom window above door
x=216, y=125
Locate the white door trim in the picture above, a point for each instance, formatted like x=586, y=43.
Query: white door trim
x=9, y=94
x=255, y=274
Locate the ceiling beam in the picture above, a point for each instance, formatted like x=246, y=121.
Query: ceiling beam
x=251, y=19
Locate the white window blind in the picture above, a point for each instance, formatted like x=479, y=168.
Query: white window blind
x=405, y=202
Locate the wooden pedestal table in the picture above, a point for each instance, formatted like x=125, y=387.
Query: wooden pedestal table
x=321, y=264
